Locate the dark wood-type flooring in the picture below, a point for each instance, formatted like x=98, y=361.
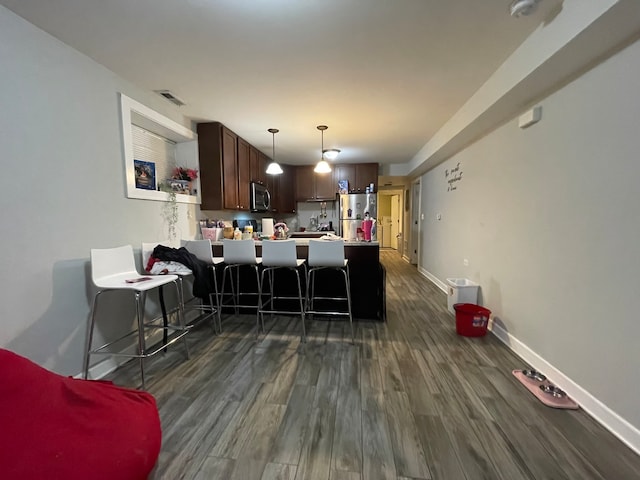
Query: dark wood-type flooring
x=411, y=400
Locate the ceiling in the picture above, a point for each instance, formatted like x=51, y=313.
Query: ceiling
x=383, y=75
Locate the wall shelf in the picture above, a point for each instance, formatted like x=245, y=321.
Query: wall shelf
x=186, y=148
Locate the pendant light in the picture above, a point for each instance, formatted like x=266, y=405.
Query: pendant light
x=322, y=166
x=274, y=168
x=331, y=153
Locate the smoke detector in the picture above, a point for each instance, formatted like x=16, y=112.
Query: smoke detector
x=522, y=8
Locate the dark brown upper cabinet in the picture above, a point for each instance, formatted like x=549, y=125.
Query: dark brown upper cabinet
x=314, y=187
x=225, y=168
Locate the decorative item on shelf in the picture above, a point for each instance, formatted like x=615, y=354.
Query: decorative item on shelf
x=182, y=179
x=274, y=167
x=322, y=166
x=145, y=174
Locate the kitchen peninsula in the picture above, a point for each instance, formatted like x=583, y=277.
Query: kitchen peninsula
x=366, y=273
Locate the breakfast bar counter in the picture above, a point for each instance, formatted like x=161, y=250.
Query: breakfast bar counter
x=366, y=273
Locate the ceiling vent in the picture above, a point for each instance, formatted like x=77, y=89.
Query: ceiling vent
x=170, y=96
x=522, y=8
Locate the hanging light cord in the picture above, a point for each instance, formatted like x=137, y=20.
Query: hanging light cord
x=322, y=128
x=273, y=132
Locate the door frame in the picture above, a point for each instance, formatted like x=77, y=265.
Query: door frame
x=416, y=210
x=399, y=192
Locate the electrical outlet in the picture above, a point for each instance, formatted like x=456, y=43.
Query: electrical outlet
x=465, y=262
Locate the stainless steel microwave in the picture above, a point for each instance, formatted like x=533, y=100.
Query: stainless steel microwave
x=259, y=197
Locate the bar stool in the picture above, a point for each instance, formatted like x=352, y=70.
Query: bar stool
x=239, y=254
x=328, y=255
x=280, y=255
x=114, y=269
x=202, y=250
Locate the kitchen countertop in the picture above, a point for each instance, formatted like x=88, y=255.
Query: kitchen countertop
x=305, y=242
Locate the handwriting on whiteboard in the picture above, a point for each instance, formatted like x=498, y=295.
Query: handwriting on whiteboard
x=453, y=176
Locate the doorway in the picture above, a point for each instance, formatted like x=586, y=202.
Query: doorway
x=390, y=208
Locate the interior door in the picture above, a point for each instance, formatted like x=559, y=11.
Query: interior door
x=395, y=219
x=387, y=221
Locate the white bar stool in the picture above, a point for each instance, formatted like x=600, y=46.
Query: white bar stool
x=238, y=254
x=328, y=255
x=280, y=255
x=114, y=269
x=202, y=250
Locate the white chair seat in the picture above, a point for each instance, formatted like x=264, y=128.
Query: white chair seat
x=119, y=281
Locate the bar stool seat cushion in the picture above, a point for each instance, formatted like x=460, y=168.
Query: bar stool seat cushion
x=59, y=427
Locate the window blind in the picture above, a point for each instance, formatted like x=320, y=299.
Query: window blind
x=151, y=147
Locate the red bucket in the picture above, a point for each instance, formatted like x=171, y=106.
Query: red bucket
x=471, y=320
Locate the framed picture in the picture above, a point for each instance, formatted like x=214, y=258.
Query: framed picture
x=343, y=186
x=145, y=174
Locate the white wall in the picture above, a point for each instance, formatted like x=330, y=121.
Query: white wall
x=64, y=190
x=549, y=219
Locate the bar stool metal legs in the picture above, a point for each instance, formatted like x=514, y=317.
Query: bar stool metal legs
x=328, y=255
x=268, y=306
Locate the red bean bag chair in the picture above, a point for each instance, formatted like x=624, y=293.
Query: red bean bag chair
x=64, y=428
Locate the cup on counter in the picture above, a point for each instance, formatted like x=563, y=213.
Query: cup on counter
x=228, y=232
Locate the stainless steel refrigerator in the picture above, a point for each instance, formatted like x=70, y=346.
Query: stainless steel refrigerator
x=353, y=210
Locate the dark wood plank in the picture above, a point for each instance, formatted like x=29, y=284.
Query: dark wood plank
x=410, y=400
x=407, y=450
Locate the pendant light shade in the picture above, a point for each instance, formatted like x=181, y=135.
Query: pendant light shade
x=331, y=153
x=322, y=166
x=274, y=168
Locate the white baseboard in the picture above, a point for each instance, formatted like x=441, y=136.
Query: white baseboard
x=613, y=422
x=435, y=280
x=627, y=433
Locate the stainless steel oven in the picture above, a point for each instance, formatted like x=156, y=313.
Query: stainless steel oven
x=260, y=197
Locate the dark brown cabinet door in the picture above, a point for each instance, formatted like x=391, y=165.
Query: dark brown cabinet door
x=254, y=164
x=263, y=161
x=210, y=163
x=230, y=168
x=244, y=174
x=312, y=186
x=366, y=174
x=345, y=172
x=273, y=185
x=286, y=190
x=305, y=189
x=258, y=162
x=324, y=186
